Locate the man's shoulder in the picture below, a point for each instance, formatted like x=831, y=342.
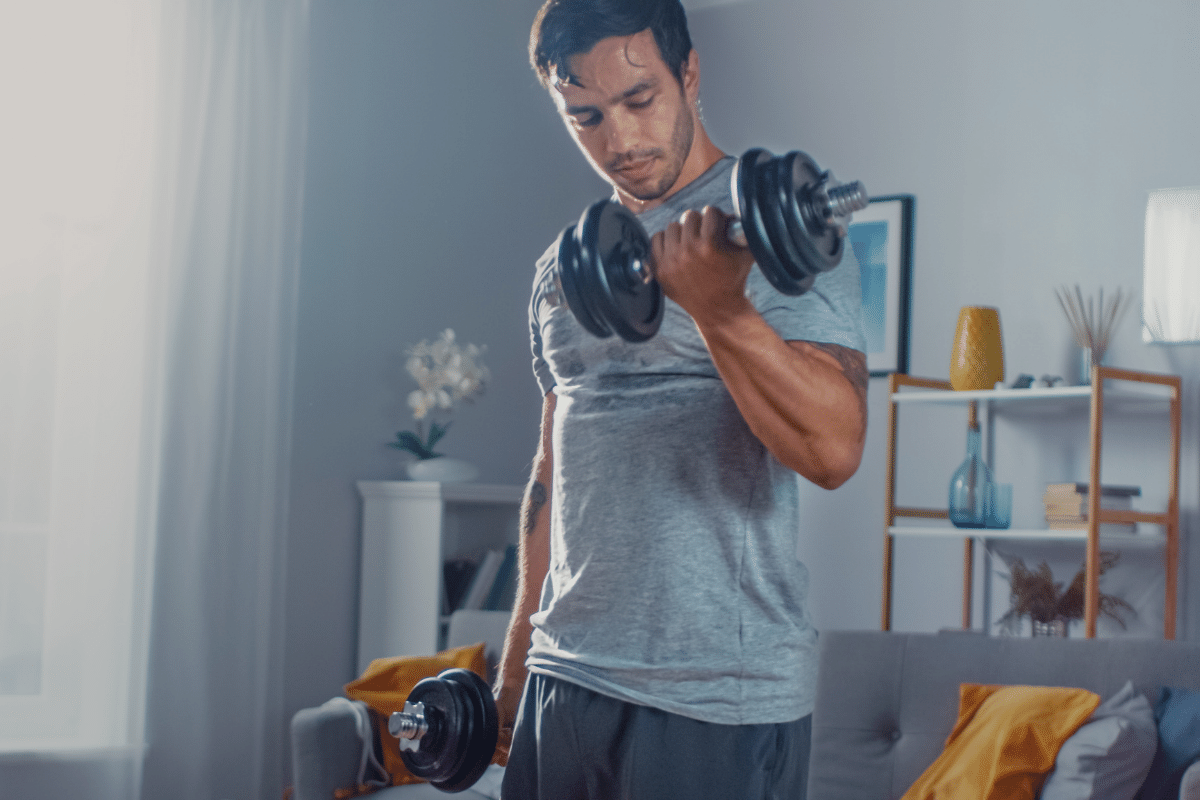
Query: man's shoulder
x=544, y=278
x=548, y=258
x=547, y=261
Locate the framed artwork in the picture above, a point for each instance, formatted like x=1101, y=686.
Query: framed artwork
x=882, y=237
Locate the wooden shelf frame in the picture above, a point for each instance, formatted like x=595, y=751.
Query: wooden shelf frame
x=1129, y=386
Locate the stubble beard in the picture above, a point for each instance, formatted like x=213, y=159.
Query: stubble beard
x=681, y=145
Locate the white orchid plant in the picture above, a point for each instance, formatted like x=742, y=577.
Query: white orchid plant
x=446, y=373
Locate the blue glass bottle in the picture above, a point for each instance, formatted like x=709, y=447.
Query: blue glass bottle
x=968, y=485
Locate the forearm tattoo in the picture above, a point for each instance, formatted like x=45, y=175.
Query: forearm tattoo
x=854, y=367
x=534, y=500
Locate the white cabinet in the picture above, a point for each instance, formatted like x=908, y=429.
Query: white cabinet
x=409, y=530
x=1112, y=390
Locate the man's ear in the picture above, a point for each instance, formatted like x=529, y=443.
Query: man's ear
x=691, y=76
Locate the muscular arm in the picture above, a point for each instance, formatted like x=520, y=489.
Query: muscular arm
x=534, y=561
x=804, y=400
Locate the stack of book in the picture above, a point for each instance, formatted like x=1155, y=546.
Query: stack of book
x=489, y=583
x=1067, y=506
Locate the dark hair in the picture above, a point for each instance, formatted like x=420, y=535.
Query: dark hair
x=564, y=28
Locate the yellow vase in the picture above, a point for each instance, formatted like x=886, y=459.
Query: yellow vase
x=977, y=360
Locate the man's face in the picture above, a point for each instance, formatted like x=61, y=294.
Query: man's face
x=629, y=115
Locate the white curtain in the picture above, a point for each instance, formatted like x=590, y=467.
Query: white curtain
x=148, y=267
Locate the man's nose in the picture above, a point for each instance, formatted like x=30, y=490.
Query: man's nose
x=622, y=133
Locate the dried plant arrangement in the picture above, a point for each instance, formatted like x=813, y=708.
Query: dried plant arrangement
x=1092, y=320
x=1036, y=595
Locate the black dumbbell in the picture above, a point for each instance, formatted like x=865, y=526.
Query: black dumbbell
x=448, y=729
x=790, y=214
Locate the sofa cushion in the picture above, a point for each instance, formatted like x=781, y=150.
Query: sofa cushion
x=1004, y=742
x=387, y=683
x=1110, y=755
x=1189, y=787
x=1177, y=714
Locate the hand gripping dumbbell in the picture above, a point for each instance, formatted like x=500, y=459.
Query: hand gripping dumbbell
x=448, y=729
x=791, y=215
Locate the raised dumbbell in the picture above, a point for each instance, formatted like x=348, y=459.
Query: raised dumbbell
x=448, y=729
x=791, y=215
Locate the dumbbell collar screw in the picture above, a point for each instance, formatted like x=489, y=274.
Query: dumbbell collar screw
x=834, y=202
x=846, y=198
x=409, y=726
x=640, y=270
x=629, y=251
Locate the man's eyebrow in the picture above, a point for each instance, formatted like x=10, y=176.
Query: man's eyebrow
x=632, y=91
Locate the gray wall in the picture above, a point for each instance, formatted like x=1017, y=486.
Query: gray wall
x=1030, y=133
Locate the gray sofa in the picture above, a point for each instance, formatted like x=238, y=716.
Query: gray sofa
x=885, y=704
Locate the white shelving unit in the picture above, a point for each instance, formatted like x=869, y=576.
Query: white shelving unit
x=409, y=530
x=1111, y=390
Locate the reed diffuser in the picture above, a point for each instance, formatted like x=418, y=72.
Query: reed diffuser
x=1093, y=322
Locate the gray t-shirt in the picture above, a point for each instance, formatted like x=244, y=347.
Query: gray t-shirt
x=673, y=580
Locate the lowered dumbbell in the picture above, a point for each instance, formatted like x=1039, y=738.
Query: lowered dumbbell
x=791, y=215
x=448, y=729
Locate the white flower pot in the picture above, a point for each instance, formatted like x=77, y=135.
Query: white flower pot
x=443, y=469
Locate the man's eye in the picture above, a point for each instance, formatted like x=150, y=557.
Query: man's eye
x=586, y=120
x=641, y=103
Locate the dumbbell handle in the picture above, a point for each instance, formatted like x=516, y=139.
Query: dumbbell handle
x=734, y=233
x=830, y=204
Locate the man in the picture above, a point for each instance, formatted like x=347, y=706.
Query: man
x=661, y=617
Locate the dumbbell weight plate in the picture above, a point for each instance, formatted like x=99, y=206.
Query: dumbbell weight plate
x=437, y=754
x=480, y=745
x=819, y=244
x=772, y=202
x=611, y=240
x=748, y=205
x=774, y=207
x=575, y=286
x=463, y=727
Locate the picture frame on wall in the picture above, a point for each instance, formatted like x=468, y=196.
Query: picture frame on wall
x=882, y=238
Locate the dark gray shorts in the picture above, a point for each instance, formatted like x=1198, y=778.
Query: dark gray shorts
x=573, y=744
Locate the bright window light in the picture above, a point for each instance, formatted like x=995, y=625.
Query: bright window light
x=1171, y=271
x=77, y=403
